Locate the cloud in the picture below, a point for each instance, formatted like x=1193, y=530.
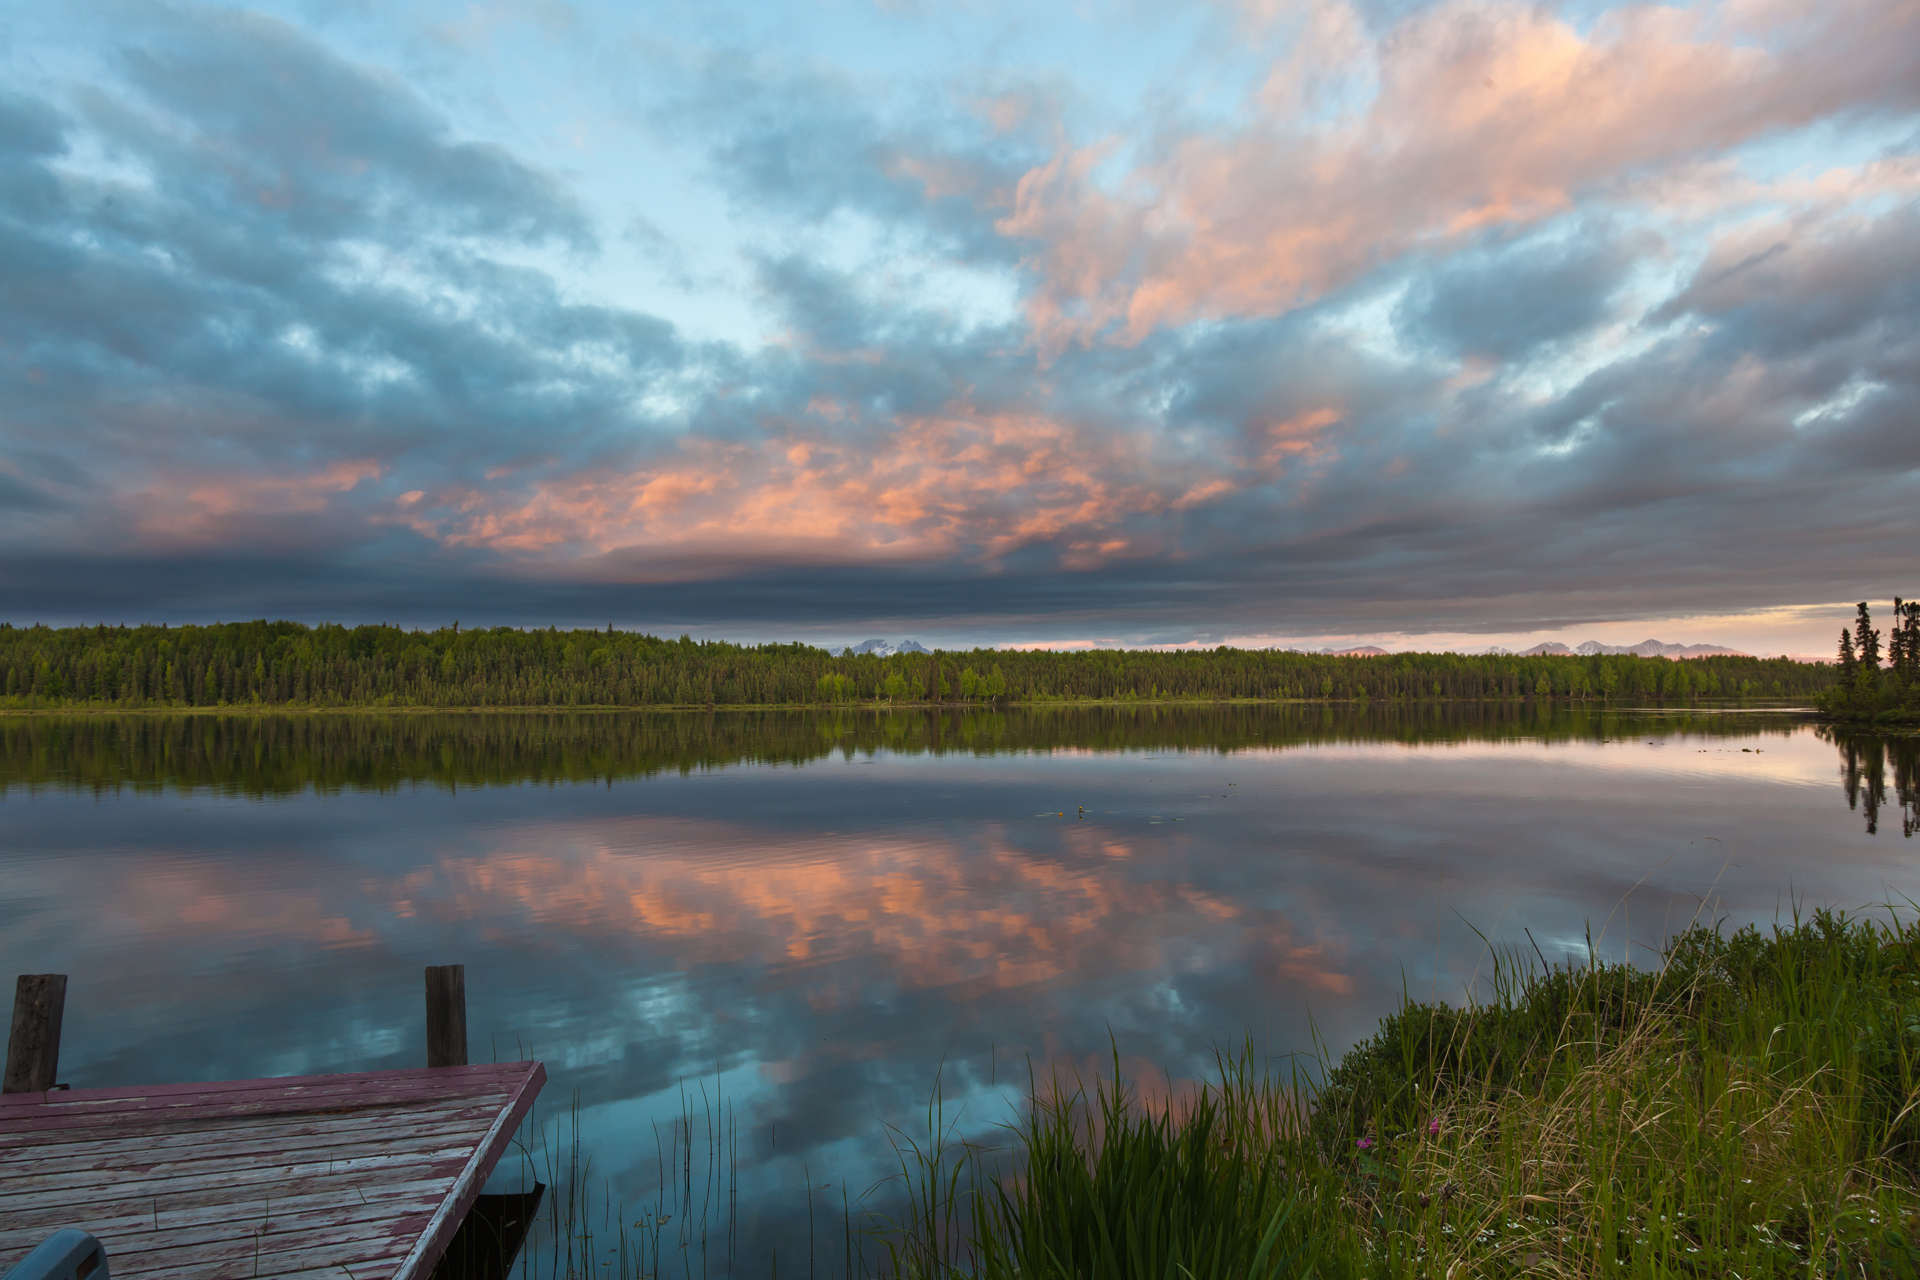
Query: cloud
x=1487, y=114
x=1623, y=334
x=1502, y=300
x=253, y=115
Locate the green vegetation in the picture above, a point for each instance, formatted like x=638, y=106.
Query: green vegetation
x=271, y=755
x=1747, y=1108
x=285, y=664
x=1865, y=690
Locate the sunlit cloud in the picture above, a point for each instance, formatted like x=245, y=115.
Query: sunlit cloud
x=1486, y=115
x=1299, y=319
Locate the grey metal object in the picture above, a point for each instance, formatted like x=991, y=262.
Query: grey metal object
x=67, y=1254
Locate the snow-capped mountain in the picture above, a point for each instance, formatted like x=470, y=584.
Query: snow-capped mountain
x=1661, y=649
x=882, y=648
x=1645, y=649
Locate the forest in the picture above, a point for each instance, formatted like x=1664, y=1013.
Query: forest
x=290, y=665
x=1867, y=689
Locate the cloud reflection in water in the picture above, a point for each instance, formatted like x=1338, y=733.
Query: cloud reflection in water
x=829, y=933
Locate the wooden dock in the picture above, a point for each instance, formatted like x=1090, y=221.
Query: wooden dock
x=364, y=1176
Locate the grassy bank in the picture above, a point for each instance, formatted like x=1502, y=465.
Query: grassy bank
x=1745, y=1107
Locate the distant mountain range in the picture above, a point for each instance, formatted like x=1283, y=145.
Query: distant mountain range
x=1645, y=649
x=882, y=649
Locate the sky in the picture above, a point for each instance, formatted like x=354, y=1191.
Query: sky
x=1298, y=322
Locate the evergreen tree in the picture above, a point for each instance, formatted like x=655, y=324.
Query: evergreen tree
x=1903, y=640
x=1867, y=641
x=1848, y=663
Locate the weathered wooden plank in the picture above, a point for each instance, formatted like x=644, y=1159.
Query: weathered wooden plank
x=133, y=1218
x=338, y=1079
x=368, y=1166
x=237, y=1165
x=27, y=1129
x=76, y=1103
x=369, y=1172
x=361, y=1259
x=58, y=1111
x=33, y=1044
x=334, y=1131
x=162, y=1146
x=54, y=1137
x=333, y=1091
x=379, y=1269
x=268, y=1239
x=211, y=1188
x=272, y=1230
x=283, y=1254
x=401, y=1083
x=433, y=1241
x=447, y=1111
x=373, y=1171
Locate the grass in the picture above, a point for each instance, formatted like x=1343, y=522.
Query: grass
x=1746, y=1107
x=687, y=1227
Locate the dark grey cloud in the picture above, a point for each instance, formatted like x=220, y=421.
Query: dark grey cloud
x=303, y=271
x=18, y=495
x=1503, y=300
x=809, y=144
x=245, y=260
x=265, y=119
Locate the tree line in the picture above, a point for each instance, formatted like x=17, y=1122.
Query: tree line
x=287, y=664
x=1866, y=688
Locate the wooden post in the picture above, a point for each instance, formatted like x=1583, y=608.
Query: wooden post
x=447, y=1015
x=33, y=1046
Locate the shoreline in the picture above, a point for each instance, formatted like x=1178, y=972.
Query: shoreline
x=309, y=709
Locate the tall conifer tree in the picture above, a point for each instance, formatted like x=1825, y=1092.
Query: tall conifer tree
x=1866, y=640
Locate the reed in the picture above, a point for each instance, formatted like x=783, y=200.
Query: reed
x=686, y=1227
x=1746, y=1107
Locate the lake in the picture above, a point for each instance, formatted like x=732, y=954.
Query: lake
x=798, y=924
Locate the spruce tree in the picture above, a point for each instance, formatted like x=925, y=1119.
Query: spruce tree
x=1848, y=663
x=1867, y=641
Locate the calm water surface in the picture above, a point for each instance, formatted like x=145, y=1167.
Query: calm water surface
x=815, y=917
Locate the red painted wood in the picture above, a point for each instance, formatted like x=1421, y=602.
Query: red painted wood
x=187, y=1177
x=433, y=1242
x=63, y=1148
x=80, y=1108
x=130, y=1220
x=350, y=1080
x=372, y=1171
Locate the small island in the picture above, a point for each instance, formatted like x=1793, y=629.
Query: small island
x=1868, y=692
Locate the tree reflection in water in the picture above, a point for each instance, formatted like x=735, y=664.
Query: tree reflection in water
x=1864, y=758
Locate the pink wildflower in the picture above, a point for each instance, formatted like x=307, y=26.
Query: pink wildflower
x=1364, y=1143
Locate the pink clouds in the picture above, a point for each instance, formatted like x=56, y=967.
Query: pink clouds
x=1487, y=113
x=211, y=507
x=962, y=482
